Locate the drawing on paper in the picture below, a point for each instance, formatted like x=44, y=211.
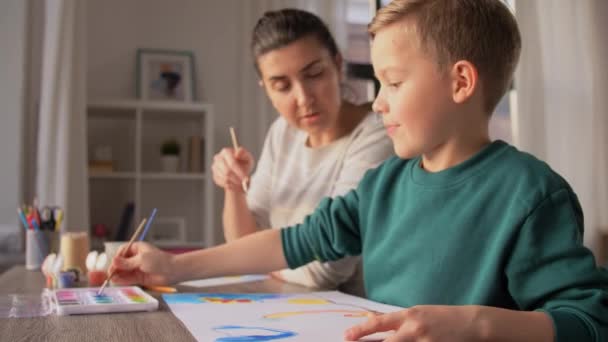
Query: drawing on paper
x=317, y=316
x=220, y=298
x=345, y=313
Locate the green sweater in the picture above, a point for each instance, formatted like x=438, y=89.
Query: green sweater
x=500, y=229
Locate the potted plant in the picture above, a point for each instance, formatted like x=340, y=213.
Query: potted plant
x=170, y=155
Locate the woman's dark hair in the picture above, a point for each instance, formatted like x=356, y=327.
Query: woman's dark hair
x=276, y=29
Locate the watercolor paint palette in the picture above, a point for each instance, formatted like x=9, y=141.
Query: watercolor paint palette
x=77, y=301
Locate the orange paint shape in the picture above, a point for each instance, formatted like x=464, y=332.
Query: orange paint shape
x=346, y=313
x=307, y=301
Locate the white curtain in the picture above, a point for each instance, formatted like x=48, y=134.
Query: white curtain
x=562, y=111
x=61, y=172
x=256, y=112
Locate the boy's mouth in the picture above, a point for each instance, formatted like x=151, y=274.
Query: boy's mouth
x=390, y=129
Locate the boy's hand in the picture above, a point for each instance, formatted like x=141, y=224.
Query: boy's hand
x=231, y=167
x=143, y=264
x=423, y=323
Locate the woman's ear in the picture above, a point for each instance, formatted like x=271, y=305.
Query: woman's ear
x=339, y=61
x=261, y=83
x=464, y=80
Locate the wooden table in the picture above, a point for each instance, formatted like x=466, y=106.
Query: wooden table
x=159, y=325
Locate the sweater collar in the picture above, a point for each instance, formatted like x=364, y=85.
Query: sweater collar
x=459, y=172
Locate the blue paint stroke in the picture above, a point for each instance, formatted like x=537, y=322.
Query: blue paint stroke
x=198, y=298
x=280, y=334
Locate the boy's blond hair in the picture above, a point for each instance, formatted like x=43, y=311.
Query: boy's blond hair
x=483, y=32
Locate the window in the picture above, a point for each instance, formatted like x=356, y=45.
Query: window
x=500, y=123
x=360, y=79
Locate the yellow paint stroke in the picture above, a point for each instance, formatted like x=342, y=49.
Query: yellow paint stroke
x=307, y=301
x=346, y=313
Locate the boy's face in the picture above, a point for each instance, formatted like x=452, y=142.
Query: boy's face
x=415, y=97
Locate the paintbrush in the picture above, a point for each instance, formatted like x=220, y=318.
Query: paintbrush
x=124, y=251
x=235, y=144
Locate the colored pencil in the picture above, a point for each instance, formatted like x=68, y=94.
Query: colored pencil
x=148, y=224
x=22, y=218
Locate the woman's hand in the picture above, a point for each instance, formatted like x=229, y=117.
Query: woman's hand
x=231, y=167
x=143, y=264
x=423, y=323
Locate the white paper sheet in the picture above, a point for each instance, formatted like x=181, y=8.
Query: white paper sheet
x=315, y=316
x=225, y=280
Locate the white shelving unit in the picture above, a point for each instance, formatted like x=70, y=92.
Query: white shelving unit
x=135, y=129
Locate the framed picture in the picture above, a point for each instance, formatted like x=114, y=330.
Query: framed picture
x=168, y=230
x=165, y=75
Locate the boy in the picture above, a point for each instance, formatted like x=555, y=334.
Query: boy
x=478, y=240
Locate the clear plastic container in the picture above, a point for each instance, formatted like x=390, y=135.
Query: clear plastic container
x=26, y=305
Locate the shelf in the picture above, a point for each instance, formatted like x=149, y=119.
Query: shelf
x=174, y=106
x=147, y=175
x=172, y=176
x=111, y=175
x=134, y=129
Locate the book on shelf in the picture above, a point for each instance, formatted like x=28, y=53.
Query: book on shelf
x=101, y=166
x=196, y=152
x=122, y=231
x=101, y=159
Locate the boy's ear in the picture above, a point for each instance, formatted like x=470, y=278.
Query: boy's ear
x=464, y=80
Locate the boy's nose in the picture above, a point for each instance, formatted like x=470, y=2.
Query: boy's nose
x=379, y=106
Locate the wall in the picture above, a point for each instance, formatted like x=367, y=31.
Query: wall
x=12, y=76
x=117, y=28
x=210, y=29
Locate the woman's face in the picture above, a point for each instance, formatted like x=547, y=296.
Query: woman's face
x=302, y=81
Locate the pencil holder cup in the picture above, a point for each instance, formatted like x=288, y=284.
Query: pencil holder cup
x=36, y=248
x=74, y=248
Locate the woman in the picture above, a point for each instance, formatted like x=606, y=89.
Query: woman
x=321, y=145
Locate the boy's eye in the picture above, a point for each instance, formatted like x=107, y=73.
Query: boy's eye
x=394, y=85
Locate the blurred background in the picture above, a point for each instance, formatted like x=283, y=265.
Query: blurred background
x=81, y=129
